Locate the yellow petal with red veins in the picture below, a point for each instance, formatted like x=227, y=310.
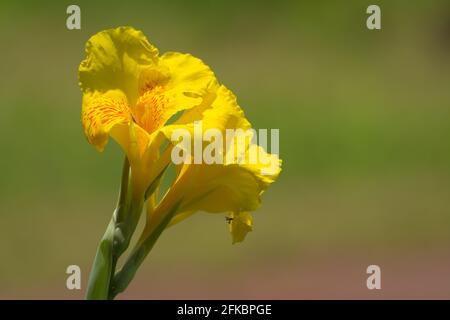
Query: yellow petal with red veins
x=100, y=113
x=179, y=82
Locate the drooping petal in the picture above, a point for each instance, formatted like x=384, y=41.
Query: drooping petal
x=100, y=113
x=239, y=224
x=267, y=166
x=233, y=187
x=108, y=114
x=115, y=58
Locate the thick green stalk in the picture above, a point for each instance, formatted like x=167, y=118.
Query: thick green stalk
x=115, y=240
x=123, y=278
x=102, y=268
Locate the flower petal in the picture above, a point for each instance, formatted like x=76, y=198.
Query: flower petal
x=114, y=60
x=222, y=188
x=239, y=224
x=188, y=74
x=225, y=112
x=189, y=82
x=217, y=110
x=100, y=113
x=232, y=187
x=178, y=82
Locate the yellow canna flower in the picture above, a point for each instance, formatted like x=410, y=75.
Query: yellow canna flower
x=132, y=93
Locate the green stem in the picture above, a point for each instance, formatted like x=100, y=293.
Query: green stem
x=123, y=278
x=102, y=268
x=115, y=240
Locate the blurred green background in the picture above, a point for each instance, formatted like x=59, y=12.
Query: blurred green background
x=364, y=119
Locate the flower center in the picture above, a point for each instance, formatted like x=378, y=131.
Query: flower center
x=149, y=110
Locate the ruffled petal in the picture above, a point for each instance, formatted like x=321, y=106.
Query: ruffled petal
x=218, y=109
x=189, y=76
x=179, y=82
x=115, y=58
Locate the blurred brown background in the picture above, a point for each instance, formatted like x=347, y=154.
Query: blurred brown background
x=364, y=119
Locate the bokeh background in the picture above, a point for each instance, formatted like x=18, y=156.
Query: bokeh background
x=364, y=119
